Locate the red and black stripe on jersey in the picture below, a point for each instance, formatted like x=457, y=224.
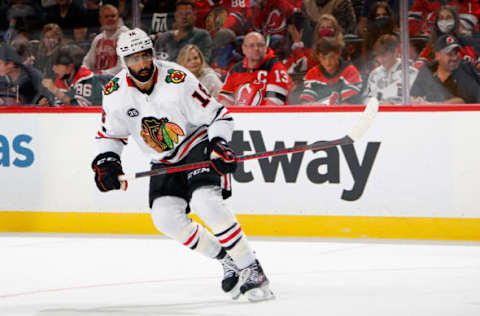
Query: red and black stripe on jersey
x=332, y=89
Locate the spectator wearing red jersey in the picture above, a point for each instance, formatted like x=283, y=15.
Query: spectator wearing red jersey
x=75, y=84
x=422, y=14
x=259, y=79
x=102, y=56
x=334, y=81
x=447, y=22
x=270, y=16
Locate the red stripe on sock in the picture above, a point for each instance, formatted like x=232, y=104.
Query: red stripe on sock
x=191, y=238
x=235, y=233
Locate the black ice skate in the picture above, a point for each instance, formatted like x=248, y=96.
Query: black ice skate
x=255, y=284
x=230, y=282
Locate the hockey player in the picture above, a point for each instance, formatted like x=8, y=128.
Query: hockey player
x=259, y=79
x=175, y=121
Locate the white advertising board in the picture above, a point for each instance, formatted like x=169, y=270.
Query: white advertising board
x=409, y=164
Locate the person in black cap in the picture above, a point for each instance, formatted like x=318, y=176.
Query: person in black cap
x=448, y=79
x=20, y=84
x=75, y=84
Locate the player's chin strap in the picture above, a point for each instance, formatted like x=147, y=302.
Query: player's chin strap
x=354, y=135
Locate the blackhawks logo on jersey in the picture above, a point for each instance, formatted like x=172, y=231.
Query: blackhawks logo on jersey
x=160, y=134
x=175, y=76
x=111, y=86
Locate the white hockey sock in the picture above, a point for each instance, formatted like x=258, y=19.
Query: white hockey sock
x=236, y=244
x=201, y=240
x=208, y=203
x=168, y=215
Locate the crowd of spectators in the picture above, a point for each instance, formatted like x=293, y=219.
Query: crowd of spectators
x=246, y=52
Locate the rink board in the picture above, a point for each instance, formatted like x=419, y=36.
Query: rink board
x=414, y=175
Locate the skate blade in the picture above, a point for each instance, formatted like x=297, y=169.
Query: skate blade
x=260, y=294
x=235, y=292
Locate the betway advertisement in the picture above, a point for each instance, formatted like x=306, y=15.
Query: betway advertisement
x=409, y=164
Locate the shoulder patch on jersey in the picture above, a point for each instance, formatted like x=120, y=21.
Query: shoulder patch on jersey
x=160, y=134
x=111, y=86
x=175, y=76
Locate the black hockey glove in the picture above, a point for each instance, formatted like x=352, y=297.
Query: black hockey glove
x=107, y=168
x=222, y=157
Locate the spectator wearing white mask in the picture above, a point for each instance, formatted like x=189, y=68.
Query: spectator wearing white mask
x=447, y=22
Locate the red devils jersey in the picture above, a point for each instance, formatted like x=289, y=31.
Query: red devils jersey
x=85, y=90
x=268, y=84
x=421, y=15
x=300, y=60
x=320, y=87
x=239, y=13
x=270, y=17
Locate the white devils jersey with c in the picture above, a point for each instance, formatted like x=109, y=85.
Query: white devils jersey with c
x=167, y=123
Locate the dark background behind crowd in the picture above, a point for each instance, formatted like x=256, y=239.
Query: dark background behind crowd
x=246, y=52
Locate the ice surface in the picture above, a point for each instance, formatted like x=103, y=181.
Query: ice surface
x=60, y=275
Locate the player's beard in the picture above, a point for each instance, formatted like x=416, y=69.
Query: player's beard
x=143, y=75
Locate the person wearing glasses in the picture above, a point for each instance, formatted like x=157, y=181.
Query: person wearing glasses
x=259, y=79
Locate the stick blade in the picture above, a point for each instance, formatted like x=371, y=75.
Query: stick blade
x=365, y=121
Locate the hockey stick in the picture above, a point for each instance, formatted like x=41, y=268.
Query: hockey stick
x=355, y=134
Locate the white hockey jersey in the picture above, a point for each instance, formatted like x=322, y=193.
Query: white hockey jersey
x=386, y=85
x=167, y=123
